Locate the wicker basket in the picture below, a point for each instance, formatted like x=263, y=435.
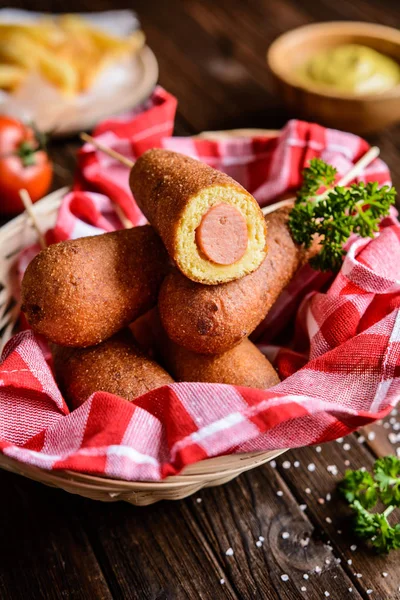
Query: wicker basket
x=18, y=234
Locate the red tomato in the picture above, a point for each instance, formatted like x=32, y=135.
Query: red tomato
x=23, y=164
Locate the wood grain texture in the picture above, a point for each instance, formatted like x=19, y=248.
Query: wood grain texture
x=332, y=516
x=44, y=551
x=212, y=57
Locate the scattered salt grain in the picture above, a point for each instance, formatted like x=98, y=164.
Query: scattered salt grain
x=304, y=542
x=386, y=425
x=396, y=426
x=307, y=491
x=258, y=543
x=286, y=464
x=327, y=561
x=328, y=520
x=261, y=538
x=346, y=447
x=371, y=436
x=338, y=561
x=198, y=500
x=303, y=507
x=285, y=577
x=303, y=588
x=340, y=440
x=321, y=501
x=272, y=463
x=369, y=592
x=318, y=449
x=332, y=469
x=285, y=535
x=229, y=552
x=317, y=569
x=350, y=590
x=392, y=438
x=363, y=469
x=398, y=452
x=296, y=464
x=311, y=467
x=328, y=497
x=394, y=412
x=347, y=463
x=353, y=548
x=361, y=439
x=358, y=575
x=384, y=574
x=392, y=420
x=305, y=576
x=222, y=581
x=349, y=562
x=279, y=493
x=326, y=594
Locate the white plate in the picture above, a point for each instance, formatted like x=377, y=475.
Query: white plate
x=119, y=88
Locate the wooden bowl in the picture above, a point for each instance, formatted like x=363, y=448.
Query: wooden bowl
x=18, y=234
x=361, y=114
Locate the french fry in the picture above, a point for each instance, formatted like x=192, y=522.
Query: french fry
x=11, y=77
x=16, y=49
x=44, y=31
x=67, y=51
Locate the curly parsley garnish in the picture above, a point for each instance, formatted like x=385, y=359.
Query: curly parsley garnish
x=362, y=491
x=336, y=213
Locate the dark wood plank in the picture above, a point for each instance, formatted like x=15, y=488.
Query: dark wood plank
x=44, y=551
x=154, y=552
x=332, y=516
x=180, y=548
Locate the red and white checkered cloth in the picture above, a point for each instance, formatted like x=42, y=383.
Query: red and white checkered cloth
x=341, y=371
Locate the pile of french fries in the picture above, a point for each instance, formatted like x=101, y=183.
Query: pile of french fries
x=67, y=51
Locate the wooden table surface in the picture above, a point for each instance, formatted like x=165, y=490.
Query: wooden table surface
x=55, y=545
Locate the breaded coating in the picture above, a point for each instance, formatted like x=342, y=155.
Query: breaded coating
x=116, y=366
x=243, y=365
x=80, y=292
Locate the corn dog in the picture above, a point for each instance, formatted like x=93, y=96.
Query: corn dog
x=116, y=366
x=212, y=228
x=213, y=319
x=80, y=292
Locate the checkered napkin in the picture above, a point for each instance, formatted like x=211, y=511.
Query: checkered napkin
x=342, y=369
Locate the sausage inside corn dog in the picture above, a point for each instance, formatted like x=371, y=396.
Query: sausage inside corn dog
x=213, y=319
x=116, y=366
x=212, y=228
x=80, y=292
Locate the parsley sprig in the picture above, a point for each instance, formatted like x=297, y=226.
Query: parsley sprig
x=363, y=490
x=336, y=213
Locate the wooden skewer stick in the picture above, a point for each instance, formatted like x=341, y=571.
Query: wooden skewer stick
x=122, y=159
x=364, y=161
x=117, y=155
x=27, y=202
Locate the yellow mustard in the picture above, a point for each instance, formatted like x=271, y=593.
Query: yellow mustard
x=352, y=68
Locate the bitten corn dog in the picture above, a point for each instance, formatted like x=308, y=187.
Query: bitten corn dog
x=81, y=292
x=116, y=366
x=212, y=228
x=213, y=319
